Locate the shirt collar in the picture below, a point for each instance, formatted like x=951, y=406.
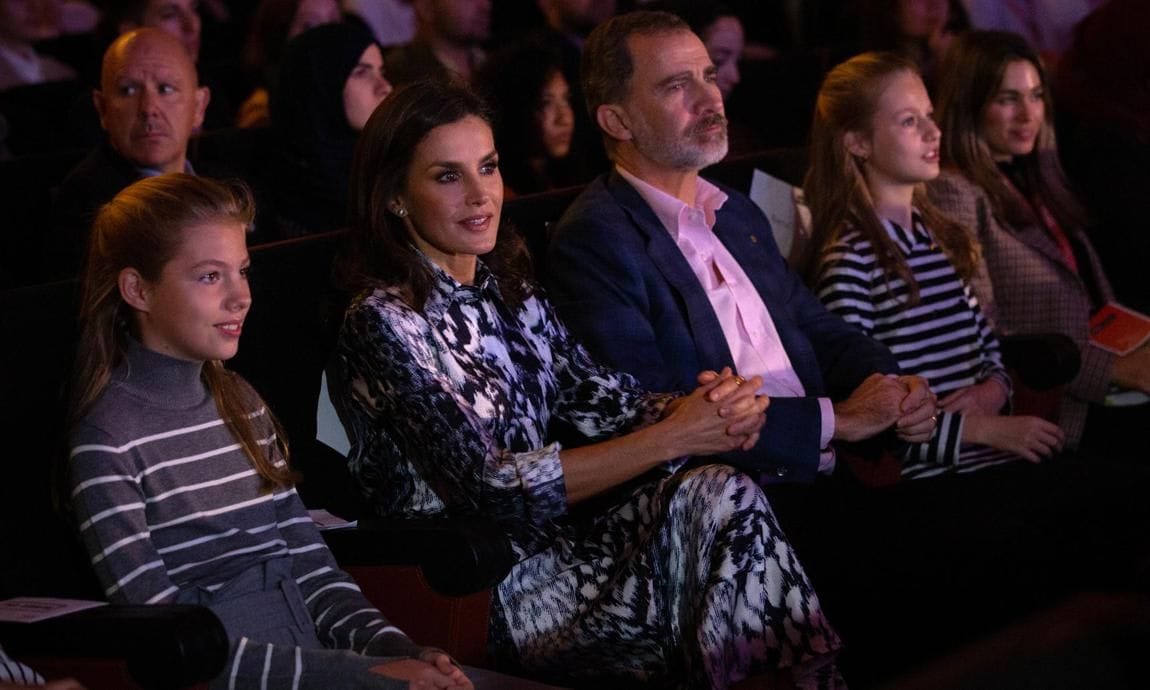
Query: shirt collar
x=908, y=240
x=669, y=209
x=447, y=290
x=156, y=172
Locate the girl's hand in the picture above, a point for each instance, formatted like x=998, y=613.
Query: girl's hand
x=984, y=398
x=424, y=675
x=1032, y=438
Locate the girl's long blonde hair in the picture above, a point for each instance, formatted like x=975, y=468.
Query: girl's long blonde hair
x=143, y=228
x=835, y=186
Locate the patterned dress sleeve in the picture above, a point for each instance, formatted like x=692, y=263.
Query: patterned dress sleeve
x=595, y=399
x=390, y=368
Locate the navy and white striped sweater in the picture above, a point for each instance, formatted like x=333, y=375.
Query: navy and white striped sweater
x=944, y=338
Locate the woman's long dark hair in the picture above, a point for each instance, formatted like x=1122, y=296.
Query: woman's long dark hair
x=380, y=252
x=971, y=76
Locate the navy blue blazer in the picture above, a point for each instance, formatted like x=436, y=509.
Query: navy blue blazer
x=621, y=285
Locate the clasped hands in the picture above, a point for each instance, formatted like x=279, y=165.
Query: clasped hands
x=883, y=401
x=724, y=413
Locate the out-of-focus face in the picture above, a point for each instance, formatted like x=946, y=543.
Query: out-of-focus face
x=148, y=102
x=195, y=310
x=365, y=88
x=902, y=147
x=462, y=21
x=725, y=42
x=453, y=195
x=180, y=18
x=578, y=16
x=555, y=116
x=28, y=21
x=1013, y=119
x=313, y=13
x=922, y=18
x=673, y=108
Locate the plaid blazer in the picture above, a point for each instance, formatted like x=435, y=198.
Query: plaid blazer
x=1035, y=290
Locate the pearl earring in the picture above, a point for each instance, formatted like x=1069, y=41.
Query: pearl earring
x=401, y=212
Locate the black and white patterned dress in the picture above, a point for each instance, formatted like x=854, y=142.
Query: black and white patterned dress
x=683, y=580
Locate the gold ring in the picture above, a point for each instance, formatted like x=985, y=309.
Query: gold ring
x=739, y=380
x=934, y=419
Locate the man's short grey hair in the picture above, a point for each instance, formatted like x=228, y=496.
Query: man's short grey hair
x=607, y=63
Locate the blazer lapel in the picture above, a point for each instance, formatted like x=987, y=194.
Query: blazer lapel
x=754, y=259
x=707, y=333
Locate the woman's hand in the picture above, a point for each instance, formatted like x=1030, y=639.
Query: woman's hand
x=722, y=414
x=432, y=671
x=1032, y=438
x=918, y=410
x=984, y=398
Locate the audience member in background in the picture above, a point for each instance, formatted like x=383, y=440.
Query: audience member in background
x=331, y=79
x=568, y=22
x=180, y=18
x=179, y=477
x=1046, y=25
x=275, y=23
x=449, y=372
x=921, y=30
x=534, y=119
x=663, y=273
x=448, y=41
x=888, y=262
x=22, y=24
x=391, y=21
x=149, y=103
x=722, y=34
x=1002, y=179
x=1103, y=93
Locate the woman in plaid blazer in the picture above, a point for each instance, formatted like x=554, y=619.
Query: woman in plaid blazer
x=1003, y=180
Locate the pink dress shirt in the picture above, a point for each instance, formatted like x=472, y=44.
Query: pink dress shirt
x=747, y=326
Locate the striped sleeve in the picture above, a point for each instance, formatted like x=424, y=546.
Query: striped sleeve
x=12, y=671
x=109, y=502
x=852, y=285
x=344, y=618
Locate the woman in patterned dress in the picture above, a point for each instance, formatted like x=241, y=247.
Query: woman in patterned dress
x=450, y=369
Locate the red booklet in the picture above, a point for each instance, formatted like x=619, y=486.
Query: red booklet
x=1118, y=329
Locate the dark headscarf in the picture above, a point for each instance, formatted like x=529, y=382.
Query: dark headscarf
x=308, y=117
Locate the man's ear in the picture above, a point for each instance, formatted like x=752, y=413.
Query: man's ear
x=203, y=97
x=613, y=121
x=857, y=145
x=134, y=289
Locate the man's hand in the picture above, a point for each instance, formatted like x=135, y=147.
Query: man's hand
x=873, y=407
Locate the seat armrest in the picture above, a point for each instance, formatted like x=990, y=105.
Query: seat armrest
x=165, y=646
x=457, y=557
x=1042, y=360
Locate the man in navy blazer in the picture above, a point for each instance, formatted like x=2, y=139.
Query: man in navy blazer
x=622, y=282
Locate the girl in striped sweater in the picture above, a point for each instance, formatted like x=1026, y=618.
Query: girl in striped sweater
x=178, y=476
x=885, y=260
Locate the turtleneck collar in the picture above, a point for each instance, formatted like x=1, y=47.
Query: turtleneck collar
x=161, y=380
